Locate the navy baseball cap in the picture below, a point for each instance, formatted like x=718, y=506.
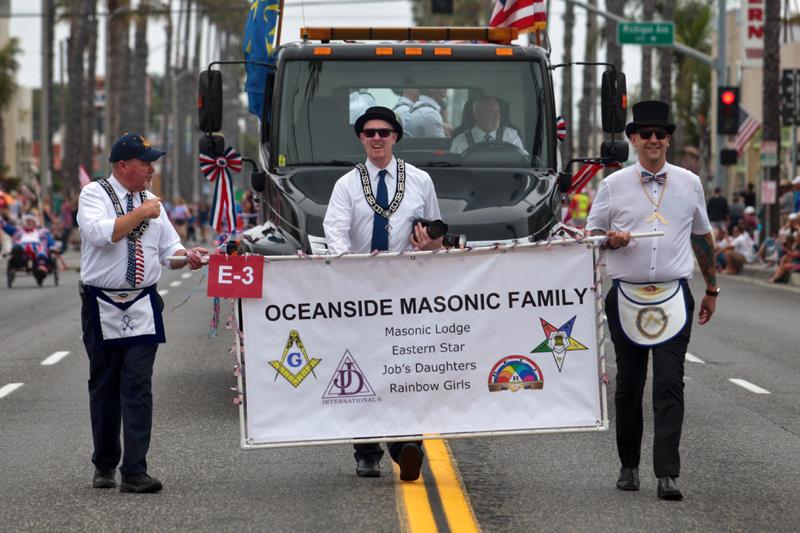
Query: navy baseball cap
x=133, y=146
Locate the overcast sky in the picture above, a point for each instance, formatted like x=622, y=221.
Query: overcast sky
x=381, y=13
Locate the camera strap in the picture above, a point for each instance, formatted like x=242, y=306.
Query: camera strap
x=398, y=195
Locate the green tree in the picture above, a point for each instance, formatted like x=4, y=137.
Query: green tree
x=8, y=86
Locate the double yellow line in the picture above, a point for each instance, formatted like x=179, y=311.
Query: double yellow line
x=437, y=501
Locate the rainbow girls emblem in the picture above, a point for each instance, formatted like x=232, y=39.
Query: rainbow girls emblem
x=515, y=372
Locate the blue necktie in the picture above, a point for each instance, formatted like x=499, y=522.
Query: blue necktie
x=648, y=176
x=380, y=237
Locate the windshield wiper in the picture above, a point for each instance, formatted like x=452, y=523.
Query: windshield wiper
x=441, y=164
x=332, y=163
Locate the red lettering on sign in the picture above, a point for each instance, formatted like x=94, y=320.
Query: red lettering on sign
x=235, y=276
x=755, y=32
x=755, y=13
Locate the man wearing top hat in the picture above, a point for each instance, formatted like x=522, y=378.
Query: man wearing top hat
x=650, y=307
x=380, y=217
x=125, y=238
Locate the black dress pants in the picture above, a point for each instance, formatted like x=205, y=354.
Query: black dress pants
x=374, y=450
x=120, y=382
x=668, y=359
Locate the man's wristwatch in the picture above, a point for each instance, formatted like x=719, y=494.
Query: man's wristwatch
x=712, y=292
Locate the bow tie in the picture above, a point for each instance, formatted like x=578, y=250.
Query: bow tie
x=648, y=176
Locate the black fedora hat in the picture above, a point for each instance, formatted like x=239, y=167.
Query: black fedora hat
x=650, y=113
x=379, y=113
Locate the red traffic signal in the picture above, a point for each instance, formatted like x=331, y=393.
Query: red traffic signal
x=728, y=97
x=727, y=110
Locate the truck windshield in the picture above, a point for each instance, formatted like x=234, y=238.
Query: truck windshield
x=454, y=113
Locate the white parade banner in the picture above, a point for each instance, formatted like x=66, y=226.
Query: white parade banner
x=378, y=348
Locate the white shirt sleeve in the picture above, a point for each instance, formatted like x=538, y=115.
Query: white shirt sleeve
x=431, y=123
x=96, y=226
x=700, y=223
x=600, y=213
x=431, y=202
x=459, y=143
x=511, y=136
x=338, y=219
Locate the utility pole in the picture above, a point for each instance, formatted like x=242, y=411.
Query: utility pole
x=722, y=80
x=45, y=176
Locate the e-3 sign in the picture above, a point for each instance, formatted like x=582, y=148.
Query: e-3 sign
x=235, y=276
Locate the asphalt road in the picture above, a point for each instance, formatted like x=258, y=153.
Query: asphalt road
x=739, y=450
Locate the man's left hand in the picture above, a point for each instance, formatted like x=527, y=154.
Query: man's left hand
x=707, y=308
x=194, y=256
x=422, y=241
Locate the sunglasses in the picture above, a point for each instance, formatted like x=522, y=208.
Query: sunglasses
x=382, y=132
x=647, y=133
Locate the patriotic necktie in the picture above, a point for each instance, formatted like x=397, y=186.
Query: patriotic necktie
x=380, y=237
x=648, y=176
x=135, y=272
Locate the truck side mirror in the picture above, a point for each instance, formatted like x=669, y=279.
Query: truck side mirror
x=564, y=181
x=258, y=181
x=213, y=145
x=614, y=102
x=614, y=150
x=209, y=100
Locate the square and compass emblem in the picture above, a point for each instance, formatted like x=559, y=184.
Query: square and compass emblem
x=295, y=364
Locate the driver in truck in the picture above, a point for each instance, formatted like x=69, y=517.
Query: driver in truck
x=488, y=127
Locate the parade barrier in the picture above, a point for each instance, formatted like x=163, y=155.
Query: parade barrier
x=492, y=341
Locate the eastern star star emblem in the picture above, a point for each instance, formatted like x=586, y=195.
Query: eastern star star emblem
x=559, y=341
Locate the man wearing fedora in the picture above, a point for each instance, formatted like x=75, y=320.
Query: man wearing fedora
x=125, y=238
x=380, y=216
x=650, y=306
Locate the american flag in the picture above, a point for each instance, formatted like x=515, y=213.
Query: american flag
x=748, y=126
x=520, y=14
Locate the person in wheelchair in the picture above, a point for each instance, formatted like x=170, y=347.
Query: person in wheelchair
x=485, y=125
x=32, y=245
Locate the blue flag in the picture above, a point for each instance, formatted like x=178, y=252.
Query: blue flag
x=259, y=40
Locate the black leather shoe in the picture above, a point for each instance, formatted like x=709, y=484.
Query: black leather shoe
x=103, y=479
x=368, y=467
x=140, y=483
x=410, y=461
x=668, y=489
x=628, y=479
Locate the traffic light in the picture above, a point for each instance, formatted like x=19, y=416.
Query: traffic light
x=728, y=156
x=442, y=7
x=727, y=110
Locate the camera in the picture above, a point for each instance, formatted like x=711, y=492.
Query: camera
x=437, y=229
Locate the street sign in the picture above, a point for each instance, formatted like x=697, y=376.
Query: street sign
x=646, y=33
x=769, y=154
x=790, y=97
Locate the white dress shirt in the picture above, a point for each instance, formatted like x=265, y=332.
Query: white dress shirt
x=460, y=143
x=425, y=119
x=349, y=218
x=103, y=263
x=621, y=205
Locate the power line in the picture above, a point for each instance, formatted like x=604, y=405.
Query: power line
x=243, y=7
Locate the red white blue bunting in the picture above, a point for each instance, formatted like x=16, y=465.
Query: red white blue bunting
x=219, y=170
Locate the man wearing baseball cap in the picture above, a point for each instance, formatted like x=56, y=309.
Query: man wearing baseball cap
x=372, y=208
x=125, y=238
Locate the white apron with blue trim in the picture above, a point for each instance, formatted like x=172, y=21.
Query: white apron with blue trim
x=652, y=313
x=126, y=317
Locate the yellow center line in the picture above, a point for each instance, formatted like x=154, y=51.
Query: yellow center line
x=414, y=506
x=457, y=508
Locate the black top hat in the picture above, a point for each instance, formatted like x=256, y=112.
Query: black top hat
x=650, y=113
x=133, y=146
x=379, y=113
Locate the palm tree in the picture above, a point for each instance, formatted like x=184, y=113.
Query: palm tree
x=8, y=87
x=586, y=105
x=648, y=8
x=117, y=60
x=566, y=85
x=74, y=128
x=666, y=56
